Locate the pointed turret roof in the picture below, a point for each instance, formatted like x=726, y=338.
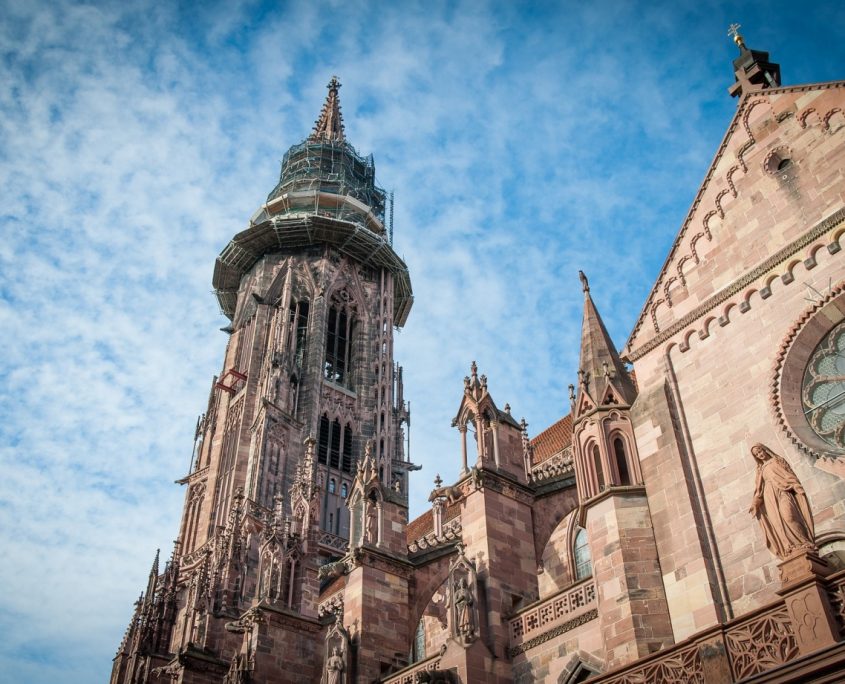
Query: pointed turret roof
x=600, y=366
x=329, y=127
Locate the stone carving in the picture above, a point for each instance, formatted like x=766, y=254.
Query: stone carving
x=335, y=668
x=781, y=505
x=463, y=599
x=761, y=644
x=451, y=494
x=682, y=667
x=337, y=650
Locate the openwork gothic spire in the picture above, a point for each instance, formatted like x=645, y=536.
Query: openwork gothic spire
x=329, y=127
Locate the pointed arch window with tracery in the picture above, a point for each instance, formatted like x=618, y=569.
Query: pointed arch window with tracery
x=339, y=336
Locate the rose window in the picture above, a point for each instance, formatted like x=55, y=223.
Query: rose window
x=823, y=388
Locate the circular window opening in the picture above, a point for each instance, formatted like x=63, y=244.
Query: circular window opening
x=809, y=396
x=823, y=388
x=778, y=161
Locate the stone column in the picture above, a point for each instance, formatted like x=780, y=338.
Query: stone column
x=494, y=427
x=463, y=430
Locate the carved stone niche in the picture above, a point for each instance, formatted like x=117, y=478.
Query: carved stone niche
x=463, y=599
x=336, y=659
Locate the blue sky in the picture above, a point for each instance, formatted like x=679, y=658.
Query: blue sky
x=523, y=142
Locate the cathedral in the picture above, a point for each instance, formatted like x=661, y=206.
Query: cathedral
x=684, y=522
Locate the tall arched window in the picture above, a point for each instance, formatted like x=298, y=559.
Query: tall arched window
x=338, y=364
x=581, y=554
x=596, y=455
x=621, y=461
x=346, y=457
x=334, y=444
x=298, y=315
x=332, y=486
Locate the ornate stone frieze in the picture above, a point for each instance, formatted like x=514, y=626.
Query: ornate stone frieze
x=761, y=643
x=451, y=532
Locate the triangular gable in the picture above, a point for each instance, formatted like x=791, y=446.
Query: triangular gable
x=763, y=120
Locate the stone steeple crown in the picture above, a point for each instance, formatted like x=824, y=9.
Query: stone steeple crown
x=329, y=126
x=601, y=373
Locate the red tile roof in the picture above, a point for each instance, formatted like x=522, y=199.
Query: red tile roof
x=553, y=439
x=424, y=523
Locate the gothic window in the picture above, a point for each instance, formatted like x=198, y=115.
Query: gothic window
x=334, y=445
x=344, y=490
x=332, y=486
x=298, y=318
x=823, y=388
x=581, y=554
x=346, y=459
x=596, y=456
x=339, y=346
x=621, y=461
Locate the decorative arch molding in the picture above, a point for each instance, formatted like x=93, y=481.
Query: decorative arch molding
x=796, y=349
x=803, y=252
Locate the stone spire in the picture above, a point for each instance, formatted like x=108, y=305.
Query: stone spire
x=752, y=68
x=329, y=127
x=600, y=366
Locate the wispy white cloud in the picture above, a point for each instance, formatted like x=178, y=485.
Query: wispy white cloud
x=137, y=138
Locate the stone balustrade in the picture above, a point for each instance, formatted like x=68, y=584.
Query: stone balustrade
x=745, y=647
x=560, y=612
x=408, y=675
x=333, y=542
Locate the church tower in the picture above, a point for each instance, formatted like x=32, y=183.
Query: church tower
x=313, y=291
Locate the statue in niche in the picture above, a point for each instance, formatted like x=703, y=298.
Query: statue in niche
x=781, y=505
x=371, y=523
x=462, y=602
x=463, y=608
x=337, y=647
x=335, y=668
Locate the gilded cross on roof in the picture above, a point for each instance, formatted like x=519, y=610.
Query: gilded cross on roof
x=733, y=32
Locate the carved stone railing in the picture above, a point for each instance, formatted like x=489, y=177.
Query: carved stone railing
x=555, y=615
x=408, y=675
x=750, y=645
x=451, y=531
x=333, y=542
x=761, y=643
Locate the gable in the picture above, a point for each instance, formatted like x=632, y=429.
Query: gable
x=782, y=157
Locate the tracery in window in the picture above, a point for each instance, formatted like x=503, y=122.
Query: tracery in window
x=823, y=388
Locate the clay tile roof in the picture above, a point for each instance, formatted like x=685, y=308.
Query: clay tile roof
x=419, y=526
x=424, y=524
x=553, y=439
